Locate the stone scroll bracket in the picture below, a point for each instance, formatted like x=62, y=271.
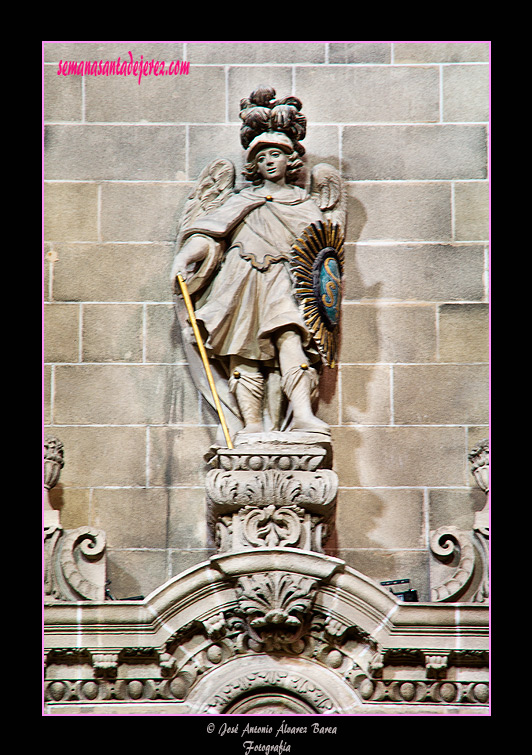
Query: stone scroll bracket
x=460, y=565
x=74, y=560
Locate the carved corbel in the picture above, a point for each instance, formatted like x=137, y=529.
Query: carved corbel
x=436, y=665
x=105, y=664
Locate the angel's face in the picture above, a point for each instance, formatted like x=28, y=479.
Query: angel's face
x=272, y=163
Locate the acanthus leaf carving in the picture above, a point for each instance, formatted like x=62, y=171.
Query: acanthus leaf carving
x=274, y=606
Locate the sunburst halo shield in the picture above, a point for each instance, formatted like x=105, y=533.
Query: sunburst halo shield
x=317, y=265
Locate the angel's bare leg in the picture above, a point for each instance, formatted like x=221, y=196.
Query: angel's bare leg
x=247, y=383
x=296, y=381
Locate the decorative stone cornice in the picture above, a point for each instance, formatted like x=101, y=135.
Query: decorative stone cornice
x=241, y=618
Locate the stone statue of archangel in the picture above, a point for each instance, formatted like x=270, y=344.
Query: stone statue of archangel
x=263, y=267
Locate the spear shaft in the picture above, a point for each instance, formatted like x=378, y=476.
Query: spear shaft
x=204, y=357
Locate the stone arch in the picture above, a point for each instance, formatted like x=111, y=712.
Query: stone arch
x=297, y=684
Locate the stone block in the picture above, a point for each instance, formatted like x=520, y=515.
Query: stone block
x=255, y=53
x=414, y=153
x=359, y=52
x=96, y=152
x=466, y=93
x=471, y=211
x=124, y=394
x=132, y=518
x=383, y=565
x=112, y=272
x=177, y=455
x=112, y=333
x=328, y=406
x=399, y=456
x=399, y=211
x=464, y=333
x=380, y=518
x=163, y=335
x=455, y=508
x=445, y=394
x=62, y=98
x=139, y=212
x=158, y=99
x=360, y=335
x=70, y=211
x=388, y=333
x=441, y=52
x=208, y=143
x=99, y=456
x=47, y=270
x=47, y=391
x=187, y=518
x=61, y=332
x=424, y=272
x=408, y=333
x=242, y=80
x=73, y=505
x=135, y=572
x=355, y=94
x=183, y=559
x=322, y=145
x=365, y=395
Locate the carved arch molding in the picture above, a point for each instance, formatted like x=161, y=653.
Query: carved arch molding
x=272, y=631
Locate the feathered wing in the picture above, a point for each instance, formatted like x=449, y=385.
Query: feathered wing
x=214, y=185
x=327, y=189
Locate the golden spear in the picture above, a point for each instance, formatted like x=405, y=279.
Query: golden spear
x=204, y=357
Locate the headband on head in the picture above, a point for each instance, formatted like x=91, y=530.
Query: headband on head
x=270, y=139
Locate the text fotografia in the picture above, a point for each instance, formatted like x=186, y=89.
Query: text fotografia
x=251, y=746
x=137, y=68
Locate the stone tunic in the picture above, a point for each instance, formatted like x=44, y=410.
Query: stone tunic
x=251, y=295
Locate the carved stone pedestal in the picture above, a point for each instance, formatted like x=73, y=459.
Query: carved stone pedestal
x=272, y=490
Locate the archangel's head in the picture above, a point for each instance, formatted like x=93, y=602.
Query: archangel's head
x=268, y=143
x=269, y=123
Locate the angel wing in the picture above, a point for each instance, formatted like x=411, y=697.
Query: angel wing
x=327, y=189
x=214, y=185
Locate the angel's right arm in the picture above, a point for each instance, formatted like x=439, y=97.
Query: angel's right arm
x=195, y=249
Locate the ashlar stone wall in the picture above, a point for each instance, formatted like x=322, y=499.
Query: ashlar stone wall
x=407, y=124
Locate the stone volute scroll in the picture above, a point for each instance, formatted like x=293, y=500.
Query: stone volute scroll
x=263, y=267
x=74, y=560
x=464, y=554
